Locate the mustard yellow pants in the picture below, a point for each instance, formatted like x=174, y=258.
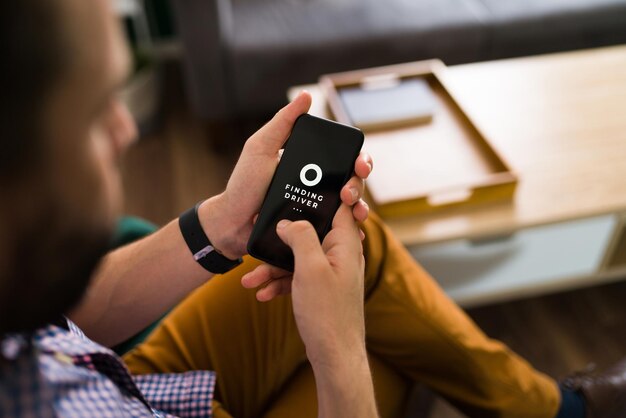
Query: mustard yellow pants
x=414, y=334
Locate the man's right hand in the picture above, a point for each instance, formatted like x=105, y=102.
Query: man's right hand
x=327, y=292
x=327, y=286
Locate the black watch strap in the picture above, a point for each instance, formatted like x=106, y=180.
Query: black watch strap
x=201, y=248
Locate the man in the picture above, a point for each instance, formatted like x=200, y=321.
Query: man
x=62, y=130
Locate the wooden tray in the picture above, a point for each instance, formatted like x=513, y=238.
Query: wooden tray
x=422, y=168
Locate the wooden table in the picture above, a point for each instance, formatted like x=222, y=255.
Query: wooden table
x=560, y=121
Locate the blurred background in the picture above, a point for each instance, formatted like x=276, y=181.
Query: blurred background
x=542, y=272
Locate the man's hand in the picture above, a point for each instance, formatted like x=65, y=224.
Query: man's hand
x=327, y=294
x=228, y=218
x=327, y=286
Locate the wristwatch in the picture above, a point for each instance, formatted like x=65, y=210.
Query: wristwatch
x=203, y=251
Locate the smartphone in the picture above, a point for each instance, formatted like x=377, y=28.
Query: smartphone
x=317, y=161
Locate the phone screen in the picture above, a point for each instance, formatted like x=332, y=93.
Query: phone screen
x=317, y=161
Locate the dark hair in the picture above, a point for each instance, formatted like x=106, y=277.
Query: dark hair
x=32, y=62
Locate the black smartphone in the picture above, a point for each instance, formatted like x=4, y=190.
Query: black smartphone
x=317, y=161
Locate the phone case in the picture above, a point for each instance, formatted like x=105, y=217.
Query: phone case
x=317, y=161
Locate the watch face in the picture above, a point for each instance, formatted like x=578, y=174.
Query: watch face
x=317, y=161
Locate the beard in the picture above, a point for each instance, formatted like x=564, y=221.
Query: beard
x=48, y=267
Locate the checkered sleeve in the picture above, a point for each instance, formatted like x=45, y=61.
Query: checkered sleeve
x=187, y=395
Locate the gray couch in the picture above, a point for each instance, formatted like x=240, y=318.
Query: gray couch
x=242, y=55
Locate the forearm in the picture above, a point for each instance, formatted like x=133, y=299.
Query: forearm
x=344, y=387
x=138, y=283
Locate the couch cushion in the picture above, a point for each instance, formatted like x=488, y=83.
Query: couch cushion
x=525, y=27
x=302, y=23
x=278, y=43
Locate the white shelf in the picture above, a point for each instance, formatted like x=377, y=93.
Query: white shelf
x=531, y=262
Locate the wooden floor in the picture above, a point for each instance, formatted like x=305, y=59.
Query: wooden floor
x=172, y=168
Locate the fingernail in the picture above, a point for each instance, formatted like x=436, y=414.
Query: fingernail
x=299, y=95
x=355, y=194
x=368, y=160
x=283, y=223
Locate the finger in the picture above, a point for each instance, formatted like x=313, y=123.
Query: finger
x=274, y=133
x=347, y=228
x=361, y=211
x=344, y=238
x=344, y=220
x=261, y=275
x=273, y=289
x=304, y=242
x=352, y=191
x=363, y=165
x=361, y=234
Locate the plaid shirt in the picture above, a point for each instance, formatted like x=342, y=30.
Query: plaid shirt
x=59, y=372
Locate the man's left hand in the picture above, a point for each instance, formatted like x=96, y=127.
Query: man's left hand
x=229, y=217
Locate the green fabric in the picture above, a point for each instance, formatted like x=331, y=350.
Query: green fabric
x=131, y=229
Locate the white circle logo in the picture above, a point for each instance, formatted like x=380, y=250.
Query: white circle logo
x=318, y=174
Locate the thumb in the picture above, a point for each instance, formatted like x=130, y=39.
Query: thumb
x=344, y=222
x=344, y=219
x=344, y=238
x=274, y=133
x=301, y=237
